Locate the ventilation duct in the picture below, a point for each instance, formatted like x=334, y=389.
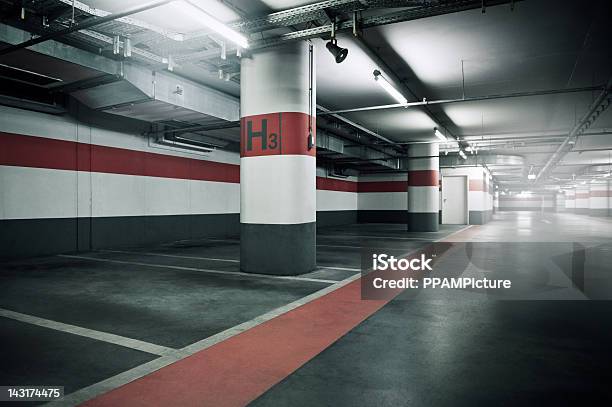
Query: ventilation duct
x=482, y=159
x=120, y=87
x=329, y=142
x=155, y=96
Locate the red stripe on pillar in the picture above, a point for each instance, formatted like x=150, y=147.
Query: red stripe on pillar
x=423, y=178
x=276, y=134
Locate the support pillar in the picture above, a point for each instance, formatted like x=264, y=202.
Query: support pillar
x=582, y=199
x=570, y=200
x=599, y=199
x=278, y=161
x=423, y=187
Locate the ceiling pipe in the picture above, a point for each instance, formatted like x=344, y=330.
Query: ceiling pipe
x=200, y=127
x=355, y=125
x=89, y=23
x=467, y=99
x=600, y=104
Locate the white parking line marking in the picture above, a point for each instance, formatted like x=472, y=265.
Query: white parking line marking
x=174, y=256
x=374, y=237
x=228, y=273
x=89, y=333
x=123, y=378
x=322, y=266
x=454, y=233
x=357, y=247
x=128, y=376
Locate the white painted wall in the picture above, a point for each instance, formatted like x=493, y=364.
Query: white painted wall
x=32, y=193
x=383, y=200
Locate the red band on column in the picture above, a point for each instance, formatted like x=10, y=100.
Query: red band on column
x=276, y=134
x=423, y=178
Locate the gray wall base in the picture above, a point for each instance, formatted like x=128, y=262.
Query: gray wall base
x=382, y=216
x=335, y=218
x=38, y=237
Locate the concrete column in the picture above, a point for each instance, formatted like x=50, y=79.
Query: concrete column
x=496, y=201
x=570, y=200
x=278, y=161
x=599, y=199
x=559, y=198
x=423, y=187
x=582, y=199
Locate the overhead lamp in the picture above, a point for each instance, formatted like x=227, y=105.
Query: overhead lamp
x=531, y=175
x=337, y=51
x=462, y=154
x=210, y=22
x=439, y=134
x=384, y=83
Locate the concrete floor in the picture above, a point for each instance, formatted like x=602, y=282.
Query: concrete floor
x=443, y=347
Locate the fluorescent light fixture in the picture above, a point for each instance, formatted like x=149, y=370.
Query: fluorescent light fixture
x=439, y=134
x=382, y=81
x=462, y=154
x=212, y=23
x=531, y=176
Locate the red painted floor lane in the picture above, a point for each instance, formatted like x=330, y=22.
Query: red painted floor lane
x=240, y=369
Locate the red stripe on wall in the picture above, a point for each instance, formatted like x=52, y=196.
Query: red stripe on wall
x=600, y=194
x=383, y=186
x=41, y=152
x=525, y=199
x=476, y=185
x=583, y=196
x=276, y=134
x=331, y=184
x=423, y=178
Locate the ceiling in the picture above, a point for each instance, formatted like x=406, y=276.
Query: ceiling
x=533, y=46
